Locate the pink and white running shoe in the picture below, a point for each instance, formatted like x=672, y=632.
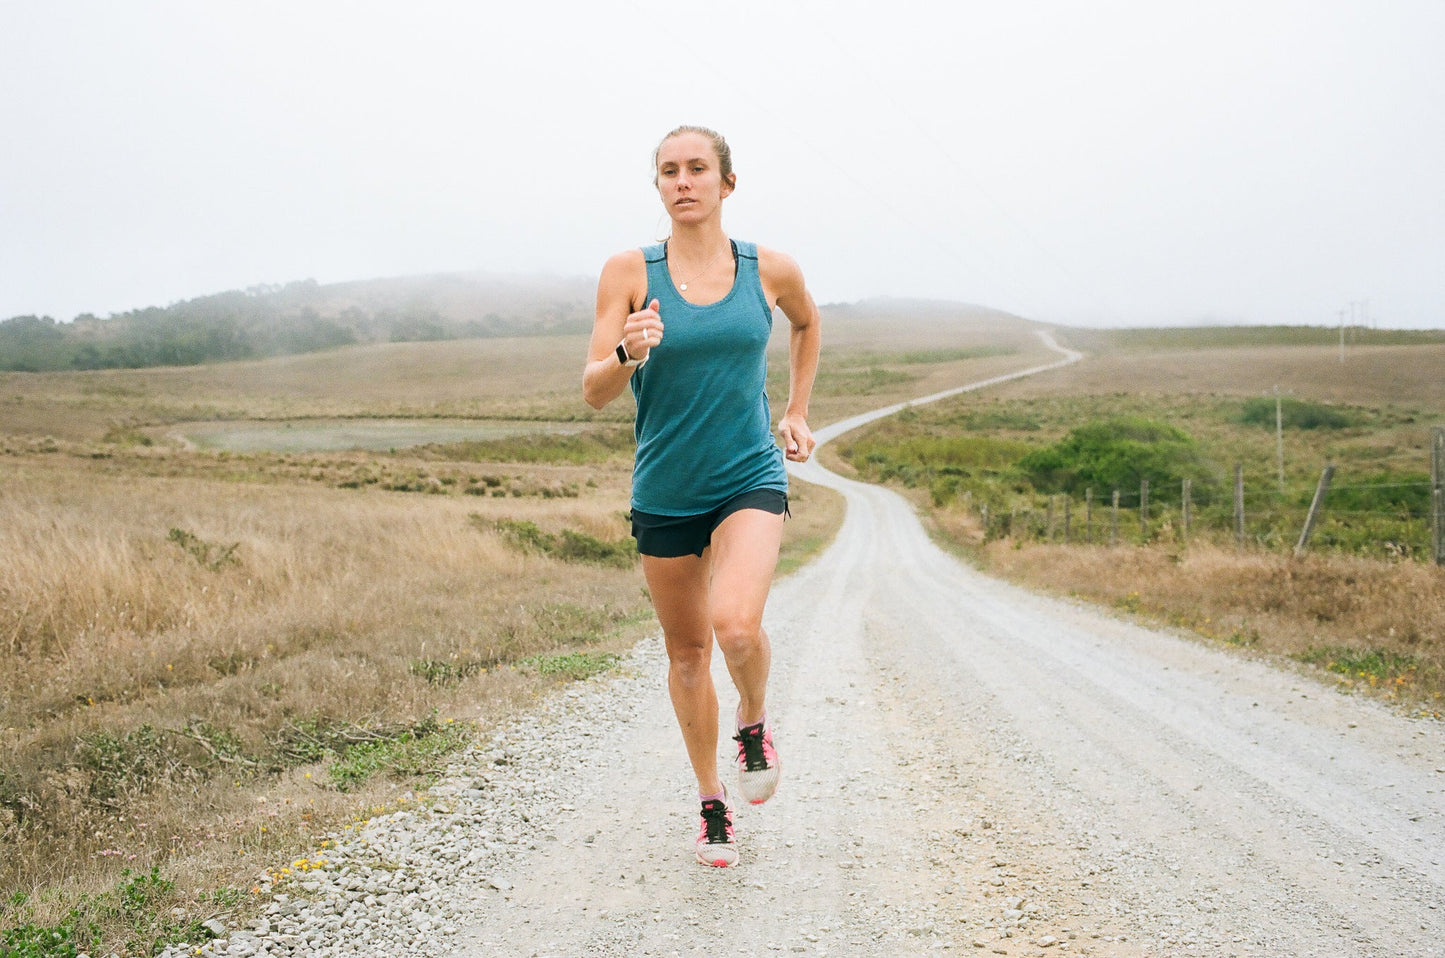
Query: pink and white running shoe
x=758, y=765
x=716, y=845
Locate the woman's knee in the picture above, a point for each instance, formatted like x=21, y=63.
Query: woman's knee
x=737, y=634
x=691, y=662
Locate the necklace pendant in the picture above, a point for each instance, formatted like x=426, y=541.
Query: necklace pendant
x=683, y=287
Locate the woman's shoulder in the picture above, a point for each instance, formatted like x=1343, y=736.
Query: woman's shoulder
x=623, y=278
x=627, y=259
x=775, y=265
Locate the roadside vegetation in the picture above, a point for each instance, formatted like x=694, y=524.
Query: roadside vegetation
x=1025, y=485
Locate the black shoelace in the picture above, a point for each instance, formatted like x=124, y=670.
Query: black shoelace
x=715, y=815
x=751, y=739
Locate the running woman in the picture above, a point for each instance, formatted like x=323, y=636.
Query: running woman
x=685, y=323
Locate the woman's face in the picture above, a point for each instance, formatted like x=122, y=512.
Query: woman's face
x=689, y=179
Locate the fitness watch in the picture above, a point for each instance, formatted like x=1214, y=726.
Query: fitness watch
x=627, y=360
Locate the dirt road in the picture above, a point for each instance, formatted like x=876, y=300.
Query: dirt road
x=969, y=769
x=953, y=746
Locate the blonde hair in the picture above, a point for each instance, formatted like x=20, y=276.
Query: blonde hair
x=719, y=146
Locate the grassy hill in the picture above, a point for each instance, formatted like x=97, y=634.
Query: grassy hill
x=300, y=317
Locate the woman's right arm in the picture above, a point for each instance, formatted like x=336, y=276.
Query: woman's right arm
x=622, y=286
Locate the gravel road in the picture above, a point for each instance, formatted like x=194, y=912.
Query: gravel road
x=968, y=768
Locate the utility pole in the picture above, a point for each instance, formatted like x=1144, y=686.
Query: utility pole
x=1238, y=504
x=1279, y=436
x=1437, y=492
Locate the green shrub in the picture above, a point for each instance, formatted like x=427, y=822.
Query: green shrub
x=1294, y=414
x=1117, y=453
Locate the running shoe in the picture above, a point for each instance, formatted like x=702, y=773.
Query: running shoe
x=758, y=765
x=716, y=845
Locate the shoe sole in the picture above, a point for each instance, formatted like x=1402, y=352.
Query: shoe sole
x=758, y=787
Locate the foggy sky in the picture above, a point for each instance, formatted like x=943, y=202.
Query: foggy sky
x=1111, y=163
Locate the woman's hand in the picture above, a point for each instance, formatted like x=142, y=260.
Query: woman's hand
x=798, y=442
x=642, y=331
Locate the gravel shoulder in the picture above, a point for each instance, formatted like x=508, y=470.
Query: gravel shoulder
x=967, y=768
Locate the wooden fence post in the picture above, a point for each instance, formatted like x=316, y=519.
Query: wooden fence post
x=1144, y=508
x=983, y=514
x=1186, y=508
x=1239, y=504
x=1068, y=532
x=1437, y=491
x=1089, y=514
x=1049, y=521
x=1279, y=436
x=1114, y=521
x=1315, y=507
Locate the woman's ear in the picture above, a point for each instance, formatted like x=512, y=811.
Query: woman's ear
x=729, y=184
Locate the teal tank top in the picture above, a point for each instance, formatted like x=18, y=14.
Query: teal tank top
x=704, y=431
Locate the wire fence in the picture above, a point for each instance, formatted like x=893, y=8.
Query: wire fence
x=1395, y=520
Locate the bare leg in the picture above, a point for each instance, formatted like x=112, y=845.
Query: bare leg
x=721, y=594
x=744, y=557
x=679, y=589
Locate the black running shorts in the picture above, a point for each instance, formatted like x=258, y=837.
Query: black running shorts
x=667, y=537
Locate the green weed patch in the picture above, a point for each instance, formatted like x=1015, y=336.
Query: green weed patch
x=414, y=752
x=64, y=940
x=206, y=554
x=575, y=666
x=568, y=545
x=140, y=909
x=1378, y=665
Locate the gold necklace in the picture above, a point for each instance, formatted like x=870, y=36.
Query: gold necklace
x=682, y=287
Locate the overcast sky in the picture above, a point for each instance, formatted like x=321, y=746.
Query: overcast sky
x=1106, y=163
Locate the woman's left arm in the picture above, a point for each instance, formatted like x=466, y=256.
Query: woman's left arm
x=783, y=282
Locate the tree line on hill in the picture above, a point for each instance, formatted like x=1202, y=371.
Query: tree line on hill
x=299, y=317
